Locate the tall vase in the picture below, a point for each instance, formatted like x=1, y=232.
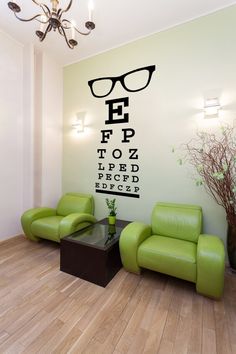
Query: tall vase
x=231, y=246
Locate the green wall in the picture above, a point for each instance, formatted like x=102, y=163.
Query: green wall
x=193, y=61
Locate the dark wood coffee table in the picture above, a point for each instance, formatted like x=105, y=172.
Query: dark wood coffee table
x=93, y=253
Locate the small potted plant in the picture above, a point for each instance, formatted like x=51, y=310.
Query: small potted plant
x=111, y=204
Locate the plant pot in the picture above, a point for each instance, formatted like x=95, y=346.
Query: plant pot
x=111, y=220
x=231, y=246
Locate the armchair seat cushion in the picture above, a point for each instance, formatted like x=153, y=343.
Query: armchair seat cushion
x=47, y=227
x=170, y=256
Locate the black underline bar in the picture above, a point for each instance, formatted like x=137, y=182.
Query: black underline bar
x=131, y=195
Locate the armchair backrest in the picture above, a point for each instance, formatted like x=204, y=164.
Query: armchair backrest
x=180, y=221
x=75, y=203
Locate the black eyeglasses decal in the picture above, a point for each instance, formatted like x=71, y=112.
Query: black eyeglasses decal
x=103, y=86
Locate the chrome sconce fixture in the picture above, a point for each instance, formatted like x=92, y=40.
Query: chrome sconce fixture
x=51, y=19
x=211, y=107
x=79, y=124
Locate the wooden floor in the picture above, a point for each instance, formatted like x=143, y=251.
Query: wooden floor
x=43, y=310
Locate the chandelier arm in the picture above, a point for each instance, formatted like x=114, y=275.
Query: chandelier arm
x=48, y=29
x=60, y=31
x=25, y=19
x=36, y=2
x=83, y=33
x=43, y=22
x=71, y=25
x=64, y=34
x=67, y=9
x=59, y=13
x=45, y=9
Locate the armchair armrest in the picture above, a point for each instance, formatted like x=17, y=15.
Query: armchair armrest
x=31, y=215
x=210, y=266
x=74, y=222
x=131, y=237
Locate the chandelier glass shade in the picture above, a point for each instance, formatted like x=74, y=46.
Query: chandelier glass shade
x=52, y=19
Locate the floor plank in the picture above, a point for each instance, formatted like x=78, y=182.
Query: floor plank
x=43, y=310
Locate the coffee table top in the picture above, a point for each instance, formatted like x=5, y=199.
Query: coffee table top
x=99, y=235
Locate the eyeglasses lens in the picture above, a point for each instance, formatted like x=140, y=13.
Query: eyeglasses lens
x=136, y=80
x=102, y=87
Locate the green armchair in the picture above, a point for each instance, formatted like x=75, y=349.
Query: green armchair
x=74, y=211
x=174, y=245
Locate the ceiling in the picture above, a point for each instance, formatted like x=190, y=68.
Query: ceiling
x=117, y=22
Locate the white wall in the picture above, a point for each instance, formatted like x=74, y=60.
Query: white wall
x=52, y=101
x=11, y=139
x=192, y=60
x=30, y=135
x=28, y=127
x=47, y=130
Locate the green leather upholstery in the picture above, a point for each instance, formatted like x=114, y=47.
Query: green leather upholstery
x=132, y=236
x=184, y=221
x=47, y=227
x=172, y=256
x=210, y=265
x=75, y=222
x=189, y=255
x=75, y=203
x=74, y=212
x=34, y=214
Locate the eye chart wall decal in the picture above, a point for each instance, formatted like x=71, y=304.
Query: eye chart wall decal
x=118, y=168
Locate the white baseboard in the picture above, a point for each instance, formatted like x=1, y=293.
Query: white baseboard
x=10, y=237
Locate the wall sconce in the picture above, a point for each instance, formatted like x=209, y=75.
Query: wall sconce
x=79, y=124
x=212, y=107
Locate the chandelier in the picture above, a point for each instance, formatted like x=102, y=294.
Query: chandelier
x=52, y=20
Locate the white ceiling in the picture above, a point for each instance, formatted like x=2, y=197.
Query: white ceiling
x=117, y=22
